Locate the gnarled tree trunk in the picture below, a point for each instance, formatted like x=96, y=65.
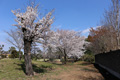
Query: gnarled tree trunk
x=65, y=57
x=27, y=53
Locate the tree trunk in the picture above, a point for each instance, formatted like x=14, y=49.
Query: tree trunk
x=44, y=59
x=27, y=54
x=75, y=59
x=117, y=23
x=65, y=57
x=20, y=55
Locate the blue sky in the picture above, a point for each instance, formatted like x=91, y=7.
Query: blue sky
x=77, y=15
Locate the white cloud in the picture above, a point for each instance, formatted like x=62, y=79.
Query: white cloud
x=86, y=31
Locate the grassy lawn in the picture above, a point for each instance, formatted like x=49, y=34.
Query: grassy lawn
x=13, y=69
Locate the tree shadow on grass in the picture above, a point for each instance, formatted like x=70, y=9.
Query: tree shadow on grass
x=105, y=73
x=36, y=69
x=57, y=64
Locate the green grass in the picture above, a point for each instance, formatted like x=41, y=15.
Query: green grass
x=42, y=59
x=9, y=69
x=13, y=69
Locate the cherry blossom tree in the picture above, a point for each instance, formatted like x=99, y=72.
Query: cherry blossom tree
x=32, y=28
x=69, y=43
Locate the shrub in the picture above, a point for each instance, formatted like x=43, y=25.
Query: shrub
x=14, y=54
x=62, y=60
x=36, y=56
x=3, y=56
x=10, y=56
x=89, y=58
x=51, y=59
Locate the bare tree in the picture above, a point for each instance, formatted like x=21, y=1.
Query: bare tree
x=16, y=40
x=107, y=37
x=112, y=19
x=35, y=50
x=1, y=49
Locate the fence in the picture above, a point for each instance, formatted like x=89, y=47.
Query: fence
x=109, y=61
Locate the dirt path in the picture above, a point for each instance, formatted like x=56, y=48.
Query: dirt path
x=78, y=71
